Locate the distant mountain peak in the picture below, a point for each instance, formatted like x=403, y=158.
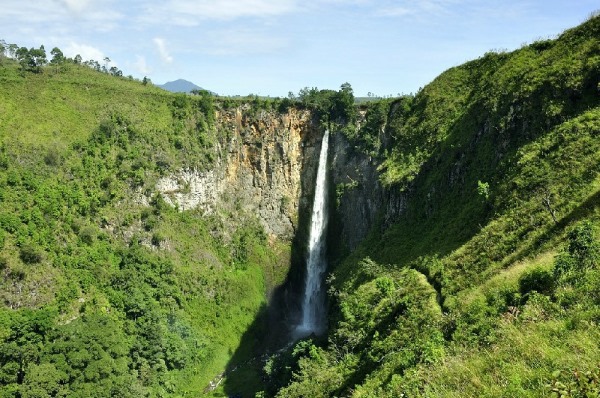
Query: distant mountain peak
x=180, y=86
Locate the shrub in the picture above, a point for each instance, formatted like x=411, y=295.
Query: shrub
x=159, y=203
x=88, y=235
x=53, y=157
x=583, y=246
x=538, y=280
x=582, y=253
x=30, y=254
x=575, y=384
x=563, y=264
x=157, y=238
x=150, y=223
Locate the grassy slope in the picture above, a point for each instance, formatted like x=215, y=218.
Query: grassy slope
x=77, y=250
x=527, y=124
x=69, y=103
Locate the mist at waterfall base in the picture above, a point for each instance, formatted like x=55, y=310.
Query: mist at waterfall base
x=313, y=303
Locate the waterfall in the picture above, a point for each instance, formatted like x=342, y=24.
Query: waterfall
x=313, y=305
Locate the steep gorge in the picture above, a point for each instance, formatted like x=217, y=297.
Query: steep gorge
x=168, y=234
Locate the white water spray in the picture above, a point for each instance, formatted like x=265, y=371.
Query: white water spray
x=313, y=305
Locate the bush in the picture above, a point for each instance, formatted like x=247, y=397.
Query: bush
x=582, y=253
x=575, y=384
x=157, y=238
x=150, y=223
x=563, y=265
x=160, y=204
x=53, y=157
x=88, y=235
x=538, y=280
x=583, y=247
x=30, y=254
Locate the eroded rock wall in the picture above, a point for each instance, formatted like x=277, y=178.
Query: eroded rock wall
x=265, y=165
x=359, y=196
x=360, y=199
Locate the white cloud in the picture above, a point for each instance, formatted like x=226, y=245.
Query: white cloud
x=190, y=12
x=161, y=45
x=141, y=66
x=87, y=52
x=76, y=6
x=54, y=17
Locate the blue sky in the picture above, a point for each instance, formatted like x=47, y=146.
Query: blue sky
x=271, y=47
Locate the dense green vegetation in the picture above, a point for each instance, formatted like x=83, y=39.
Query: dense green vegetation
x=102, y=295
x=486, y=283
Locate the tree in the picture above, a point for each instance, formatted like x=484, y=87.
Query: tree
x=95, y=65
x=12, y=50
x=3, y=49
x=39, y=58
x=343, y=106
x=32, y=59
x=547, y=197
x=105, y=66
x=23, y=57
x=77, y=59
x=115, y=71
x=329, y=105
x=44, y=380
x=57, y=58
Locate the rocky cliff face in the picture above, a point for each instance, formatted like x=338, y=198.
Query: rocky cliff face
x=361, y=201
x=265, y=166
x=359, y=196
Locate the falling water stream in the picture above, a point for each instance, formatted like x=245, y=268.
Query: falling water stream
x=313, y=304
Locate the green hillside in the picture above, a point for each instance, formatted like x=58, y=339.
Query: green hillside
x=487, y=282
x=100, y=294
